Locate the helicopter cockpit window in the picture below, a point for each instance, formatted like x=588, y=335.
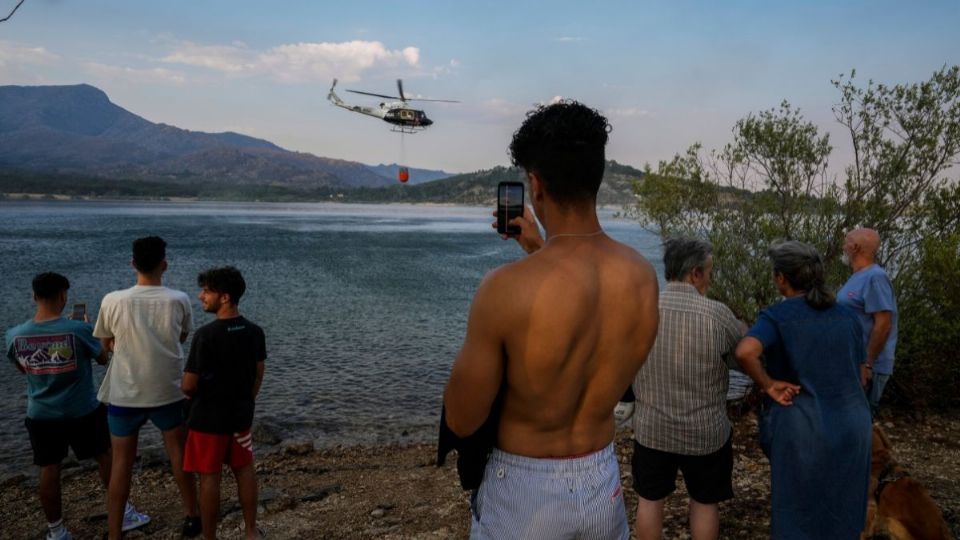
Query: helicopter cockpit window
x=406, y=115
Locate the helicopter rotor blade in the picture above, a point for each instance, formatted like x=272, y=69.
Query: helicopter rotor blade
x=437, y=100
x=400, y=88
x=372, y=94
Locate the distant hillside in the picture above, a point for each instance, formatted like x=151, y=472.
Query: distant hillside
x=479, y=188
x=417, y=176
x=71, y=140
x=76, y=130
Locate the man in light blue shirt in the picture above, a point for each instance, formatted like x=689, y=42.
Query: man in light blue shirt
x=869, y=293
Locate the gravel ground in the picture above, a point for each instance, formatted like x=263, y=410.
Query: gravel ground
x=397, y=492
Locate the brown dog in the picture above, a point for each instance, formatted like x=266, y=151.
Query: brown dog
x=899, y=507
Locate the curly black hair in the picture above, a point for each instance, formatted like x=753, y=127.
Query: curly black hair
x=564, y=144
x=227, y=280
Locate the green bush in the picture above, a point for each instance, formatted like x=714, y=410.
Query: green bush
x=771, y=183
x=927, y=369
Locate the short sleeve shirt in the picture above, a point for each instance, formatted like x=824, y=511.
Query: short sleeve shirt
x=56, y=357
x=867, y=292
x=224, y=354
x=681, y=389
x=820, y=350
x=146, y=323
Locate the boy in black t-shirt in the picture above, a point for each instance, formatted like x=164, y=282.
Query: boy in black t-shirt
x=222, y=378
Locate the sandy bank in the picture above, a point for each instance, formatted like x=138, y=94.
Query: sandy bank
x=397, y=492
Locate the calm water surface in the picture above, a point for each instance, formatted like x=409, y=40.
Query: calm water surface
x=364, y=306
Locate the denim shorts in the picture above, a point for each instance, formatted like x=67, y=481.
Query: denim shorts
x=126, y=421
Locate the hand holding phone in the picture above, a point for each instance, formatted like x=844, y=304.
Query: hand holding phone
x=529, y=239
x=509, y=206
x=79, y=312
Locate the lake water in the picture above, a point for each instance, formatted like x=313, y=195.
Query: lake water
x=364, y=306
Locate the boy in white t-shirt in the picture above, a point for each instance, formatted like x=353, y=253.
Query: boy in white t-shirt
x=144, y=326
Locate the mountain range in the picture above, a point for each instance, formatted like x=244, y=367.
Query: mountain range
x=78, y=130
x=73, y=140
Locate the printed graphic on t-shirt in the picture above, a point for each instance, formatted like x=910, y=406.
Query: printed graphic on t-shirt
x=46, y=355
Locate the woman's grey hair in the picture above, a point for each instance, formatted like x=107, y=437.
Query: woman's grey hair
x=684, y=255
x=802, y=266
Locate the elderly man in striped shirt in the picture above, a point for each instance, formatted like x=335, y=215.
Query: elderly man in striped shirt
x=680, y=420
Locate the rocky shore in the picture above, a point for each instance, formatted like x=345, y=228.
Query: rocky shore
x=397, y=492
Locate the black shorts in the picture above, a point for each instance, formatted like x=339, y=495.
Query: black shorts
x=708, y=477
x=87, y=435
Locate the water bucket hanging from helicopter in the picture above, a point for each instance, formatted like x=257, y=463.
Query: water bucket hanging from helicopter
x=403, y=173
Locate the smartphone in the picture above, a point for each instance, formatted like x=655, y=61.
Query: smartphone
x=509, y=206
x=79, y=310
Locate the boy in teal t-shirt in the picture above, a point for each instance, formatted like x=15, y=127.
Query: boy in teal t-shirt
x=55, y=354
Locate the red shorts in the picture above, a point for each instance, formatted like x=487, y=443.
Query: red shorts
x=207, y=452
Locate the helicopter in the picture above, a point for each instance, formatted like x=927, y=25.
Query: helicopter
x=404, y=119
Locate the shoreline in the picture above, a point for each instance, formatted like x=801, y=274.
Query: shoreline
x=396, y=491
x=268, y=439
x=52, y=197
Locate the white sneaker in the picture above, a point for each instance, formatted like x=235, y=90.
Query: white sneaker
x=133, y=519
x=65, y=535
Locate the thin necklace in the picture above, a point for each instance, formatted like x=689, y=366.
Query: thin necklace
x=576, y=235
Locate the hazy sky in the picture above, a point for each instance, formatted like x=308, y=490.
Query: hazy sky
x=667, y=74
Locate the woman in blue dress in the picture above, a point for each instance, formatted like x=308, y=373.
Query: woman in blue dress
x=815, y=422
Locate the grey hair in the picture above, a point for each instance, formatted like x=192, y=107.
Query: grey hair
x=684, y=255
x=802, y=266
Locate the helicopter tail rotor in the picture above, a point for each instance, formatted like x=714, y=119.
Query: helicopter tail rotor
x=333, y=97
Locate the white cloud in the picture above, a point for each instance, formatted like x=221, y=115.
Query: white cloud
x=569, y=39
x=502, y=108
x=226, y=58
x=12, y=53
x=411, y=55
x=629, y=112
x=296, y=62
x=445, y=69
x=140, y=76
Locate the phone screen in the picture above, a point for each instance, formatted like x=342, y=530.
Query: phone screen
x=79, y=310
x=509, y=206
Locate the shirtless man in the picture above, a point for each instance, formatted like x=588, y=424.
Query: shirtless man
x=564, y=331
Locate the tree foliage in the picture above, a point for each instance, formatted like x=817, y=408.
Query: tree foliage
x=768, y=183
x=771, y=183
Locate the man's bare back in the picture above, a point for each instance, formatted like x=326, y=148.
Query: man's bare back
x=557, y=336
x=570, y=326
